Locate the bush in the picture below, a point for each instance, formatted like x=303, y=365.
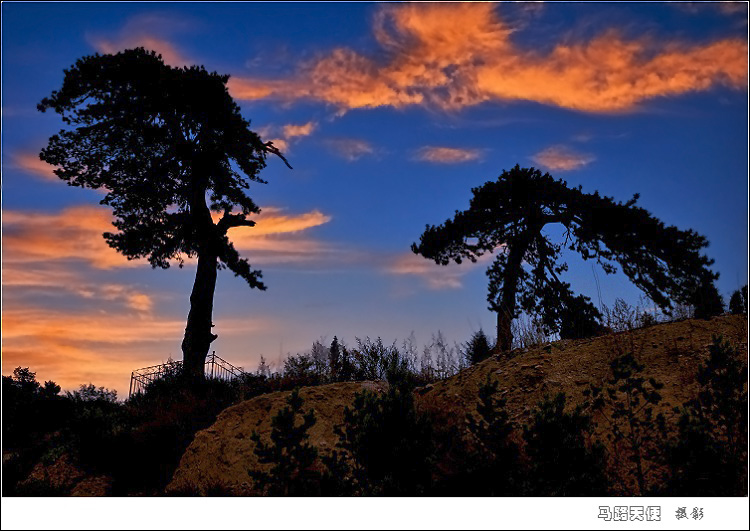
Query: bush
x=290, y=453
x=492, y=467
x=706, y=301
x=389, y=445
x=162, y=422
x=738, y=302
x=709, y=456
x=560, y=463
x=635, y=434
x=478, y=348
x=580, y=319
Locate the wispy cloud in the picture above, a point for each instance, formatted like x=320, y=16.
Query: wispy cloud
x=450, y=56
x=152, y=31
x=80, y=347
x=169, y=52
x=297, y=130
x=32, y=164
x=562, y=158
x=447, y=155
x=435, y=276
x=350, y=149
x=284, y=136
x=72, y=234
x=75, y=234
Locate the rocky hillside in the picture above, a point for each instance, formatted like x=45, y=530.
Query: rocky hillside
x=222, y=454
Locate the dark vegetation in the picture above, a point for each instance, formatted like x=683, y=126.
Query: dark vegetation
x=392, y=449
x=387, y=445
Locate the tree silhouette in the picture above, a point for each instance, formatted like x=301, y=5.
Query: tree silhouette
x=169, y=146
x=510, y=213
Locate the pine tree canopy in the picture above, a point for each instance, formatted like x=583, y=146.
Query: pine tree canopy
x=508, y=215
x=161, y=141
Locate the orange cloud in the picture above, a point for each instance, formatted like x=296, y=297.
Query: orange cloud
x=168, y=51
x=280, y=143
x=75, y=348
x=351, y=149
x=73, y=234
x=76, y=234
x=291, y=130
x=446, y=155
x=436, y=276
x=455, y=55
x=561, y=158
x=31, y=163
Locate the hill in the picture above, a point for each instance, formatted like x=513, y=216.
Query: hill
x=222, y=454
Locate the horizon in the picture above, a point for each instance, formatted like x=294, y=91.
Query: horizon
x=389, y=114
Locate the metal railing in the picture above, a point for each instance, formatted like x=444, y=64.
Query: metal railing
x=215, y=367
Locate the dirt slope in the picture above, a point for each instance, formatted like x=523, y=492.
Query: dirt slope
x=222, y=454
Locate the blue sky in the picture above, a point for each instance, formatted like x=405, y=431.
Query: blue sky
x=389, y=114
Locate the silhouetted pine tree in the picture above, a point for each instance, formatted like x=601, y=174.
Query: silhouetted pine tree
x=738, y=302
x=709, y=455
x=477, y=348
x=170, y=147
x=290, y=453
x=510, y=213
x=636, y=435
x=560, y=462
x=493, y=468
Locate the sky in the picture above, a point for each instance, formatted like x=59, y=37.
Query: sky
x=389, y=114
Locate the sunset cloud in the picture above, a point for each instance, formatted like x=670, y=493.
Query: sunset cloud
x=447, y=155
x=31, y=163
x=80, y=347
x=450, y=56
x=435, y=276
x=167, y=50
x=561, y=158
x=75, y=234
x=349, y=148
x=292, y=130
x=52, y=279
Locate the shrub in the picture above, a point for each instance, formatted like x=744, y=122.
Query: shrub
x=492, y=467
x=709, y=456
x=478, y=348
x=738, y=302
x=706, y=301
x=388, y=442
x=290, y=453
x=162, y=422
x=560, y=463
x=627, y=406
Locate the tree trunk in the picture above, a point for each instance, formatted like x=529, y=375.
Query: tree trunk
x=198, y=335
x=507, y=309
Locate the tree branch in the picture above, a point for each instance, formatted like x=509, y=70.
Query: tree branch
x=229, y=221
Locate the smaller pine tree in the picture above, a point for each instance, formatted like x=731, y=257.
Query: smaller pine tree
x=389, y=444
x=492, y=469
x=478, y=348
x=738, y=302
x=292, y=456
x=709, y=456
x=561, y=463
x=706, y=301
x=627, y=406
